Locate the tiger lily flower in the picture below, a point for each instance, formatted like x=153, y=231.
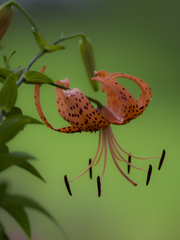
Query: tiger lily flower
x=121, y=108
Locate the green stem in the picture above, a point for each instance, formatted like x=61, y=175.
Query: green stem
x=20, y=81
x=99, y=104
x=69, y=37
x=24, y=12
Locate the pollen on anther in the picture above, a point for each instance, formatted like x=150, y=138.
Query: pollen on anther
x=99, y=186
x=67, y=185
x=162, y=159
x=90, y=170
x=149, y=174
x=129, y=167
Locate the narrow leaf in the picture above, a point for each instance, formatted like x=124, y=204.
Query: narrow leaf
x=39, y=40
x=18, y=71
x=27, y=166
x=33, y=77
x=9, y=159
x=3, y=149
x=4, y=73
x=19, y=201
x=53, y=48
x=6, y=63
x=3, y=235
x=20, y=216
x=86, y=50
x=12, y=125
x=3, y=188
x=14, y=111
x=8, y=94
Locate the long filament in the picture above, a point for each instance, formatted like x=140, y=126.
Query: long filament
x=111, y=151
x=100, y=155
x=105, y=150
x=112, y=135
x=114, y=146
x=99, y=142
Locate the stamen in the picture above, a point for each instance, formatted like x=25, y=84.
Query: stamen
x=149, y=174
x=92, y=160
x=115, y=148
x=162, y=159
x=102, y=148
x=105, y=151
x=128, y=166
x=143, y=158
x=113, y=157
x=90, y=170
x=99, y=186
x=67, y=185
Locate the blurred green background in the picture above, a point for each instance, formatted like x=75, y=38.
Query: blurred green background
x=136, y=37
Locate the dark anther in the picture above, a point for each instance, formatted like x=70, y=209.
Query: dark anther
x=99, y=186
x=162, y=159
x=129, y=160
x=67, y=185
x=90, y=170
x=149, y=174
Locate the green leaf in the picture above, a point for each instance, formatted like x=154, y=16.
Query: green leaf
x=14, y=111
x=6, y=63
x=87, y=55
x=9, y=159
x=12, y=125
x=39, y=40
x=4, y=73
x=19, y=201
x=8, y=94
x=53, y=48
x=20, y=216
x=3, y=149
x=3, y=188
x=34, y=77
x=27, y=166
x=18, y=71
x=3, y=235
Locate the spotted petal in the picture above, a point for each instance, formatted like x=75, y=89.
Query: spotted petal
x=75, y=108
x=119, y=99
x=70, y=129
x=146, y=94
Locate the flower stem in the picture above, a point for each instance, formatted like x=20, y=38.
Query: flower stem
x=69, y=37
x=24, y=12
x=40, y=54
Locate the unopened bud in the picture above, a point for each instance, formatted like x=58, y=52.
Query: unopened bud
x=6, y=14
x=86, y=50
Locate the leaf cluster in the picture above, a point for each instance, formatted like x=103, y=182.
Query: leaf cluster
x=12, y=120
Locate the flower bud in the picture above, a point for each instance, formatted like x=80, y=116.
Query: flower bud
x=6, y=14
x=86, y=50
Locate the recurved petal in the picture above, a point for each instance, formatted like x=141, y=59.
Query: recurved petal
x=70, y=129
x=79, y=112
x=119, y=99
x=61, y=100
x=146, y=94
x=111, y=116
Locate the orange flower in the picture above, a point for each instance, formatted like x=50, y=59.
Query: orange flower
x=6, y=14
x=121, y=108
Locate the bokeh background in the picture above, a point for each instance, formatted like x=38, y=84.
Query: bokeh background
x=136, y=37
